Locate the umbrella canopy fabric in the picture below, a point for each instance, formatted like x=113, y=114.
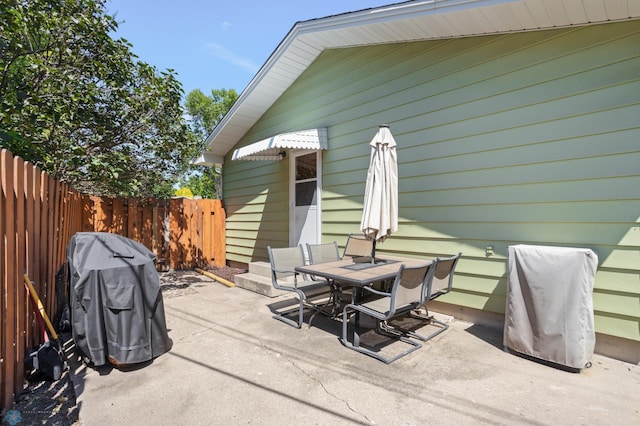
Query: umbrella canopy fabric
x=380, y=213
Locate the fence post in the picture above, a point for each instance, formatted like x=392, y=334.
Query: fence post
x=118, y=217
x=19, y=258
x=176, y=229
x=8, y=344
x=219, y=235
x=3, y=281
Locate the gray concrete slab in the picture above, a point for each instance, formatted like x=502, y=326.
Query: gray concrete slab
x=232, y=363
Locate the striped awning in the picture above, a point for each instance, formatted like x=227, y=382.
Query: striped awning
x=270, y=148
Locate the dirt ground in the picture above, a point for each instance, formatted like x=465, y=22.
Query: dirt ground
x=44, y=401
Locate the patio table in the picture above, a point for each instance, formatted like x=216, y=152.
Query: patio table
x=359, y=272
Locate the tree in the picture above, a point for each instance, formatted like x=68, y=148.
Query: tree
x=203, y=181
x=206, y=112
x=79, y=105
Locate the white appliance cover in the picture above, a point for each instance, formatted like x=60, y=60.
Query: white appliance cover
x=549, y=311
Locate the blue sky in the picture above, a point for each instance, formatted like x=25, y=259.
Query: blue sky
x=216, y=44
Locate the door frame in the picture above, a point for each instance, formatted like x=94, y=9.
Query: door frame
x=293, y=154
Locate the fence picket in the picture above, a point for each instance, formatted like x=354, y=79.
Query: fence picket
x=19, y=263
x=10, y=375
x=3, y=282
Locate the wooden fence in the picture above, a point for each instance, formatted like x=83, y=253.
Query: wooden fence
x=183, y=233
x=39, y=215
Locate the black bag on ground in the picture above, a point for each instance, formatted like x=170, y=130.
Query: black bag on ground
x=46, y=360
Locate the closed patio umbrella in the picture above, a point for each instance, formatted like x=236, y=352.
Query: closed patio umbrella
x=380, y=212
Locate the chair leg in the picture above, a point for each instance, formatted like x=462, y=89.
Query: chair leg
x=282, y=316
x=302, y=300
x=424, y=317
x=321, y=309
x=356, y=345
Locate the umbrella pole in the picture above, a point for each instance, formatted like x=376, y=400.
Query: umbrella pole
x=373, y=252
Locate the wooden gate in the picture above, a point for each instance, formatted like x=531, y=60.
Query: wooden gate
x=183, y=233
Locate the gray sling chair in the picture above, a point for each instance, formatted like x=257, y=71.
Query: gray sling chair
x=358, y=246
x=322, y=253
x=361, y=250
x=440, y=283
x=284, y=277
x=405, y=295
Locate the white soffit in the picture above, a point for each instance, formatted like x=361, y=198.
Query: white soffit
x=399, y=22
x=270, y=148
x=208, y=159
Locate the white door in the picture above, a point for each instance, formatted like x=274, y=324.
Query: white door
x=304, y=195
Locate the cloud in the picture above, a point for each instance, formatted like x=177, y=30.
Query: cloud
x=226, y=25
x=220, y=52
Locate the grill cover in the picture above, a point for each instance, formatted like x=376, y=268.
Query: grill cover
x=116, y=304
x=549, y=312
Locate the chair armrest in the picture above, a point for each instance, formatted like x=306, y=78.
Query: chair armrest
x=293, y=273
x=378, y=292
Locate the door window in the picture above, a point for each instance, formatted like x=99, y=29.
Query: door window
x=306, y=180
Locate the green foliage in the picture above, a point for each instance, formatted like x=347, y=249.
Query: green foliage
x=183, y=192
x=203, y=181
x=79, y=105
x=206, y=112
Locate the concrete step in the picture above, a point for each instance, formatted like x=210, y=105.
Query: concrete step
x=257, y=283
x=260, y=268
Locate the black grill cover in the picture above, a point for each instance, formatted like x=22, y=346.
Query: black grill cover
x=116, y=305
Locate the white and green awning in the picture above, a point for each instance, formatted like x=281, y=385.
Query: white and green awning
x=271, y=148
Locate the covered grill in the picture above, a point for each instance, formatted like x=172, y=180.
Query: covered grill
x=116, y=304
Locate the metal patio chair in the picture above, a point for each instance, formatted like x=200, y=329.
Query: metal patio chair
x=358, y=246
x=322, y=253
x=360, y=250
x=405, y=295
x=308, y=291
x=439, y=282
x=329, y=252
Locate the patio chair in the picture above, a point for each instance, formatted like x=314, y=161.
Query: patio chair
x=329, y=252
x=321, y=253
x=405, y=295
x=360, y=250
x=358, y=246
x=284, y=277
x=443, y=277
x=440, y=282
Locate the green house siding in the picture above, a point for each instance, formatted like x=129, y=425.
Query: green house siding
x=527, y=138
x=256, y=203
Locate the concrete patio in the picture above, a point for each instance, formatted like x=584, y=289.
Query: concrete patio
x=232, y=363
